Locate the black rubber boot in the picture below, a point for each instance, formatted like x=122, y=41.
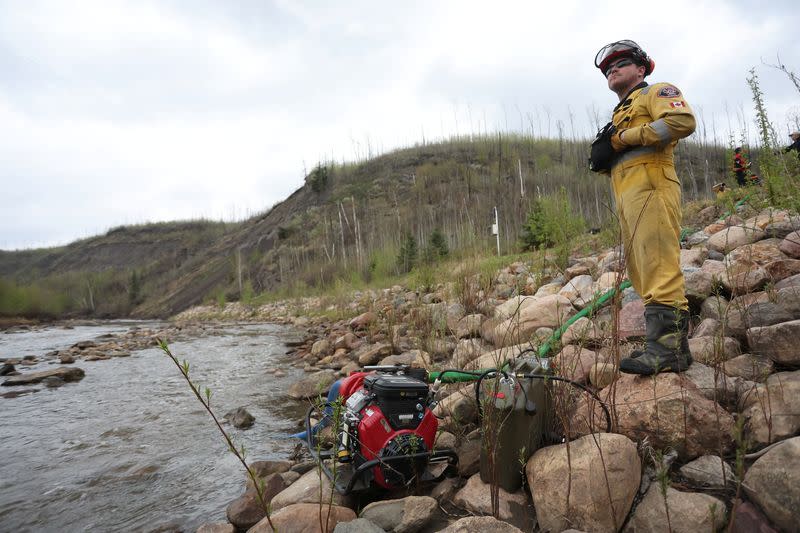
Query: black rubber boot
x=667, y=348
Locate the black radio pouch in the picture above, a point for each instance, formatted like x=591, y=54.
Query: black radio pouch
x=602, y=156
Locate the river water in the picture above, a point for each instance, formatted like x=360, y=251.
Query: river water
x=129, y=448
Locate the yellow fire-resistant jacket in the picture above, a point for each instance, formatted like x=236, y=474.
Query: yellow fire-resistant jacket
x=654, y=118
x=647, y=190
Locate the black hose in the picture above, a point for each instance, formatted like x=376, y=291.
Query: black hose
x=478, y=389
x=580, y=386
x=543, y=377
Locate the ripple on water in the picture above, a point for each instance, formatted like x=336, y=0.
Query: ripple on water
x=130, y=443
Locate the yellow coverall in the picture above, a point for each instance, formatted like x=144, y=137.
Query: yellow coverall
x=647, y=190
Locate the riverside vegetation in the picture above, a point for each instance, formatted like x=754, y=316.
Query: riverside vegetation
x=714, y=448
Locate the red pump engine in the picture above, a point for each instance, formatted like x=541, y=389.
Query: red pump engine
x=387, y=428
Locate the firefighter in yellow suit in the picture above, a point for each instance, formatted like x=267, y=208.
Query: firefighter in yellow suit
x=646, y=125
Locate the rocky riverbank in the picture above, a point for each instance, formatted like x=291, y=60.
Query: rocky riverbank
x=715, y=447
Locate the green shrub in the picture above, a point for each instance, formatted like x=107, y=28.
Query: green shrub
x=407, y=257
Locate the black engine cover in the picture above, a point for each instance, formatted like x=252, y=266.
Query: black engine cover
x=401, y=399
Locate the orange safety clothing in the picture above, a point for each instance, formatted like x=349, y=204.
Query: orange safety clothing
x=650, y=121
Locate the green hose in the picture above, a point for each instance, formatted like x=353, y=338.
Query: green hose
x=457, y=376
x=556, y=336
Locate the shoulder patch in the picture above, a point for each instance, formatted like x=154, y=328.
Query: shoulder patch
x=669, y=92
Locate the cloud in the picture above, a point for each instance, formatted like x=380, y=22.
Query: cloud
x=124, y=112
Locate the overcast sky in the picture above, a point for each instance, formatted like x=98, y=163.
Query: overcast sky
x=117, y=112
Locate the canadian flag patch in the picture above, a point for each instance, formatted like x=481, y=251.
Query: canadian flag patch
x=677, y=104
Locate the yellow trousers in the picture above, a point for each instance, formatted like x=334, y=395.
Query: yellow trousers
x=648, y=197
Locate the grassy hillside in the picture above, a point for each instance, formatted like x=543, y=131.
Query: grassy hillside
x=347, y=222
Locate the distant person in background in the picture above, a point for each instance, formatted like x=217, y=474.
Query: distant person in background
x=795, y=136
x=720, y=188
x=646, y=125
x=740, y=166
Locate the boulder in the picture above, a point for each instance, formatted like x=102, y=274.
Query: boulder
x=445, y=439
x=582, y=267
x=747, y=518
x=469, y=326
x=514, y=306
x=772, y=410
x=458, y=408
x=305, y=518
x=321, y=348
x=245, y=511
x=446, y=489
x=313, y=385
x=777, y=342
x=743, y=277
x=714, y=307
x=363, y=321
x=307, y=490
x=708, y=327
x=606, y=281
x=497, y=358
x=601, y=375
x=668, y=410
x=631, y=320
x=709, y=471
x=699, y=285
x=760, y=253
x=782, y=269
x=476, y=498
x=466, y=351
x=406, y=515
x=715, y=268
x=468, y=450
x=240, y=418
x=272, y=482
x=590, y=487
x=371, y=354
x=581, y=331
x=715, y=385
x=750, y=367
x=549, y=311
x=773, y=482
x=218, y=527
x=455, y=312
x=415, y=358
x=474, y=524
x=53, y=382
x=698, y=237
x=693, y=257
x=790, y=245
x=548, y=289
x=347, y=341
x=574, y=362
x=359, y=525
x=689, y=512
x=768, y=217
x=579, y=290
x=29, y=378
x=713, y=349
x=791, y=281
x=732, y=237
x=756, y=314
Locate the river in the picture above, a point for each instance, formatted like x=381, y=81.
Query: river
x=129, y=448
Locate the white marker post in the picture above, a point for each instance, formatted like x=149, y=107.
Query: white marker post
x=496, y=230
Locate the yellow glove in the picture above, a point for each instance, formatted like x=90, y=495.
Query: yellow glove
x=617, y=143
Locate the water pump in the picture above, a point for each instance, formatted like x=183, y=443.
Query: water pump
x=385, y=431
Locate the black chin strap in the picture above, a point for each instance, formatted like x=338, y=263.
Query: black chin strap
x=640, y=85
